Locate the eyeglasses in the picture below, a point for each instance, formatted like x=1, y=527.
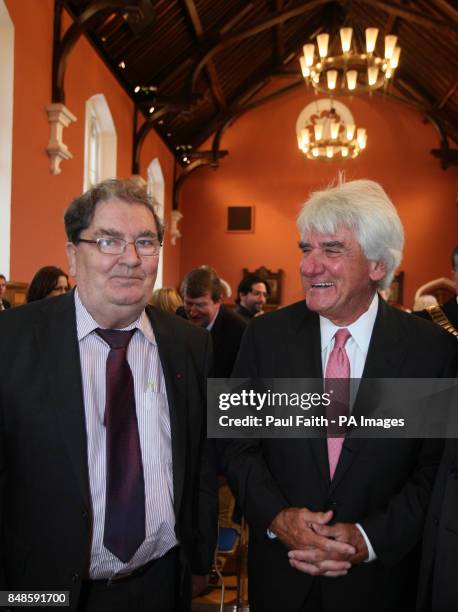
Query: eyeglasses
x=145, y=247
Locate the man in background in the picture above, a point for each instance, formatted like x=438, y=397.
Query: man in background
x=336, y=522
x=251, y=296
x=446, y=315
x=202, y=297
x=438, y=587
x=4, y=304
x=102, y=425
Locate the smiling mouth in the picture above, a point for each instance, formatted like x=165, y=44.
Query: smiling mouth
x=126, y=278
x=321, y=285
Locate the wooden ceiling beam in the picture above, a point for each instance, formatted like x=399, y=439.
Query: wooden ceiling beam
x=445, y=7
x=412, y=15
x=449, y=93
x=412, y=92
x=63, y=46
x=238, y=108
x=232, y=23
x=215, y=85
x=279, y=41
x=259, y=27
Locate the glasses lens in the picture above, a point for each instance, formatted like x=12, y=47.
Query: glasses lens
x=111, y=246
x=147, y=246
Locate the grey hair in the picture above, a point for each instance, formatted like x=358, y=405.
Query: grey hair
x=364, y=207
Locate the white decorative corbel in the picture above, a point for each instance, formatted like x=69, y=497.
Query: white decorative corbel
x=59, y=117
x=175, y=218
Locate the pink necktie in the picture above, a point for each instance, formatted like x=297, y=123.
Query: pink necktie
x=338, y=384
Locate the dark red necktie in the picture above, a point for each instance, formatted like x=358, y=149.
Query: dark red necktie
x=125, y=487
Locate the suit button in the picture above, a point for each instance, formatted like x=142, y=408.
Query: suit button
x=436, y=522
x=75, y=577
x=85, y=515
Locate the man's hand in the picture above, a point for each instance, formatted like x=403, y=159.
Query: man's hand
x=199, y=584
x=296, y=529
x=349, y=533
x=311, y=561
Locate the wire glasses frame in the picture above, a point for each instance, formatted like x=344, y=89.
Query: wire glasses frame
x=145, y=247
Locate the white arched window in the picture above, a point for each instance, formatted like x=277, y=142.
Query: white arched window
x=6, y=133
x=99, y=143
x=156, y=191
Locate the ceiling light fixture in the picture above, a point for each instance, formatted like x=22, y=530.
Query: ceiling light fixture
x=326, y=130
x=349, y=71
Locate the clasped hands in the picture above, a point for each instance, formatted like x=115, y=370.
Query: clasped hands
x=317, y=548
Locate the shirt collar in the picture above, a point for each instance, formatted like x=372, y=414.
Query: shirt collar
x=360, y=330
x=86, y=324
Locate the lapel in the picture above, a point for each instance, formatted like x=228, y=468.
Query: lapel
x=58, y=348
x=386, y=354
x=303, y=346
x=173, y=360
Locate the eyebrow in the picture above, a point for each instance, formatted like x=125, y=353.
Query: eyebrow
x=117, y=234
x=326, y=243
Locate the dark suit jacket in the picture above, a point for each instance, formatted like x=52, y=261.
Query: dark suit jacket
x=438, y=584
x=45, y=505
x=243, y=312
x=382, y=484
x=226, y=333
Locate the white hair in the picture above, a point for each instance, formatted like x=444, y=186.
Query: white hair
x=363, y=207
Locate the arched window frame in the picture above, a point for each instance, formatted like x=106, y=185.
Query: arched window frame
x=156, y=189
x=6, y=133
x=100, y=143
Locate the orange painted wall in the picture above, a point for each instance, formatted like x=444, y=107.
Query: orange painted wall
x=265, y=169
x=38, y=198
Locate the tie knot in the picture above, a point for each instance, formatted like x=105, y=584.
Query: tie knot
x=341, y=336
x=116, y=338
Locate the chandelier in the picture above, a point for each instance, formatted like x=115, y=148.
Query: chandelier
x=326, y=130
x=349, y=72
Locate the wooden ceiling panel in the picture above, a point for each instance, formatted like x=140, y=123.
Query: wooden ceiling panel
x=203, y=57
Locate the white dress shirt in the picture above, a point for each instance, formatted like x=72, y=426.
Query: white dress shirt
x=356, y=348
x=155, y=440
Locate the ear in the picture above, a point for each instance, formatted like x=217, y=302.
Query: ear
x=377, y=270
x=71, y=257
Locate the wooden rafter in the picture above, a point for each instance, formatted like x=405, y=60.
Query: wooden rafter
x=412, y=15
x=448, y=95
x=215, y=85
x=261, y=26
x=279, y=41
x=63, y=46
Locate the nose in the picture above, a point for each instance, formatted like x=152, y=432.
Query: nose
x=193, y=311
x=311, y=263
x=130, y=256
x=262, y=299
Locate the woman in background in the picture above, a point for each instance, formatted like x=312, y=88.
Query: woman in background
x=167, y=299
x=47, y=282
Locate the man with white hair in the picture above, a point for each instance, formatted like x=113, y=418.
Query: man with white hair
x=351, y=509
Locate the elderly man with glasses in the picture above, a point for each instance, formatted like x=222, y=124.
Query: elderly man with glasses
x=101, y=440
